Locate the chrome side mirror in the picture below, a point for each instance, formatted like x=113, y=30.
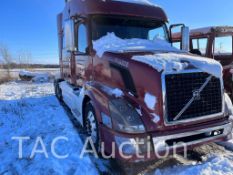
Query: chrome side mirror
x=183, y=33
x=185, y=38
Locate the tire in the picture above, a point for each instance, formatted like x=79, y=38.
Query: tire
x=58, y=91
x=91, y=125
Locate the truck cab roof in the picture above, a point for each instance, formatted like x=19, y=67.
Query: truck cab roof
x=207, y=31
x=112, y=7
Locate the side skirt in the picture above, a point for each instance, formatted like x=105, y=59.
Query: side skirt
x=73, y=98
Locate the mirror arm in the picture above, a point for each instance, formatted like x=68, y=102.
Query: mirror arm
x=185, y=38
x=171, y=27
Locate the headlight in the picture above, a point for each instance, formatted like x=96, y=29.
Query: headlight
x=124, y=117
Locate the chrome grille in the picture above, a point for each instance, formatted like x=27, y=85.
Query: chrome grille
x=181, y=88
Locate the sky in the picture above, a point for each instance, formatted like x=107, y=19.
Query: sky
x=29, y=26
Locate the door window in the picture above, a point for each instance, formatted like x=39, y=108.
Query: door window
x=223, y=45
x=82, y=38
x=68, y=40
x=200, y=44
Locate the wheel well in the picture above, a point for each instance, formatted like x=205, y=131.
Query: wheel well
x=85, y=101
x=59, y=80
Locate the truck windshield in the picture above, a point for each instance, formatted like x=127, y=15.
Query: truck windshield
x=128, y=28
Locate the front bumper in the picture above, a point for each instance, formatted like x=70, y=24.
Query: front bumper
x=170, y=143
x=194, y=137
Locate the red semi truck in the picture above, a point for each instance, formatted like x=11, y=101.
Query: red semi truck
x=123, y=81
x=216, y=43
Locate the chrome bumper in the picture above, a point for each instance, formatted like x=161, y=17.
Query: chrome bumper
x=220, y=131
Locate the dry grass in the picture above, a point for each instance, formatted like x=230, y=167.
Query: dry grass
x=5, y=79
x=5, y=76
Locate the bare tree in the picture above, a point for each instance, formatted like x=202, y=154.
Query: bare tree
x=24, y=59
x=28, y=59
x=7, y=59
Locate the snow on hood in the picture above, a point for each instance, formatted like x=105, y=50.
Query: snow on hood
x=170, y=62
x=112, y=91
x=173, y=59
x=112, y=43
x=150, y=101
x=143, y=2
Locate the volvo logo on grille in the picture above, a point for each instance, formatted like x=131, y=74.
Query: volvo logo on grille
x=196, y=95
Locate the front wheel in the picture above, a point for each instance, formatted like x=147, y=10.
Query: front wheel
x=91, y=125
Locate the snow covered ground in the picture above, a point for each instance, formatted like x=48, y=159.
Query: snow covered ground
x=31, y=110
x=216, y=165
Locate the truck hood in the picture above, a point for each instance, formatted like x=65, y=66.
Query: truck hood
x=146, y=69
x=137, y=66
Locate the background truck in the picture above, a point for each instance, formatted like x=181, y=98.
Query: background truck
x=213, y=42
x=123, y=81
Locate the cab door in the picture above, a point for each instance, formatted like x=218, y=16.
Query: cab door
x=82, y=57
x=66, y=65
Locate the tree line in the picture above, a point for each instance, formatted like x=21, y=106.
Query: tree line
x=24, y=61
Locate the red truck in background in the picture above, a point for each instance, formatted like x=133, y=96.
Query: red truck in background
x=213, y=42
x=125, y=94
